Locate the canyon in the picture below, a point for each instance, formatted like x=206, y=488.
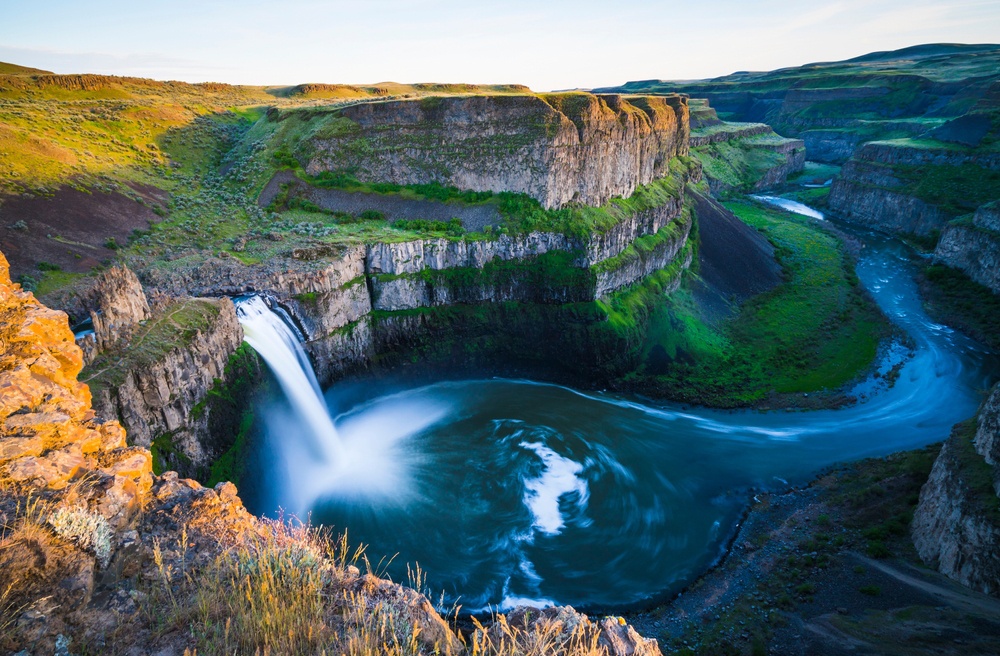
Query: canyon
x=601, y=240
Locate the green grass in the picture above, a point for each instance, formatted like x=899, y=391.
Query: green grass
x=229, y=466
x=520, y=212
x=815, y=173
x=955, y=189
x=813, y=197
x=815, y=331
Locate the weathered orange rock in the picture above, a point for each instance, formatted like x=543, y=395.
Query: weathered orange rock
x=133, y=462
x=53, y=470
x=121, y=501
x=19, y=447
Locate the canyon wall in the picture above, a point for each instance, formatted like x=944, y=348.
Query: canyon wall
x=883, y=186
x=558, y=148
x=151, y=368
x=956, y=526
x=743, y=156
x=973, y=246
x=160, y=397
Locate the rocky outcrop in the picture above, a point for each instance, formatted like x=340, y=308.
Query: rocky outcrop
x=50, y=435
x=559, y=148
x=744, y=156
x=319, y=269
x=160, y=397
x=987, y=440
x=956, y=526
x=727, y=132
x=406, y=257
x=120, y=306
x=974, y=246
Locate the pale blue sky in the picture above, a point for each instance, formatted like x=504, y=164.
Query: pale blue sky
x=547, y=44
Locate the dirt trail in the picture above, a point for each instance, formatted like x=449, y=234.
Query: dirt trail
x=948, y=591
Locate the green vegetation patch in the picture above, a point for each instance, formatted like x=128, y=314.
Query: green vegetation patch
x=816, y=331
x=738, y=164
x=955, y=189
x=230, y=415
x=522, y=213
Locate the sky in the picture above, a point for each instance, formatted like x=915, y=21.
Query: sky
x=546, y=44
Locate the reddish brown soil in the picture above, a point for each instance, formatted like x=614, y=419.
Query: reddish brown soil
x=70, y=227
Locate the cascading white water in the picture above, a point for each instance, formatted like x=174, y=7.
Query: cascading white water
x=274, y=340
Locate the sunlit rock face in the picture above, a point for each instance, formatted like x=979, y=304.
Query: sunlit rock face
x=49, y=435
x=558, y=148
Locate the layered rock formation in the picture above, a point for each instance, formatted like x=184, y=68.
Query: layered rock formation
x=877, y=186
x=151, y=369
x=332, y=292
x=743, y=156
x=120, y=306
x=105, y=551
x=49, y=433
x=559, y=149
x=956, y=527
x=159, y=397
x=974, y=246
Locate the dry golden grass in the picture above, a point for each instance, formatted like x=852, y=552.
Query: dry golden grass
x=541, y=638
x=287, y=592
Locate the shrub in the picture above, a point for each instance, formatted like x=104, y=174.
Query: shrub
x=371, y=215
x=88, y=530
x=48, y=266
x=27, y=282
x=877, y=549
x=111, y=244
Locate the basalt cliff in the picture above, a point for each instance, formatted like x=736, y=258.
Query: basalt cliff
x=956, y=526
x=558, y=148
x=167, y=365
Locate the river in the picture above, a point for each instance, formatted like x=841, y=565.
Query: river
x=513, y=491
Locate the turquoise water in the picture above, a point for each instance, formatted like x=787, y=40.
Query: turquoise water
x=508, y=491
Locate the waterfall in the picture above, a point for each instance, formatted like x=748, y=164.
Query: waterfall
x=275, y=341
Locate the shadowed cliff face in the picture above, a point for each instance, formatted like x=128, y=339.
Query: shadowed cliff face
x=559, y=148
x=974, y=247
x=956, y=526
